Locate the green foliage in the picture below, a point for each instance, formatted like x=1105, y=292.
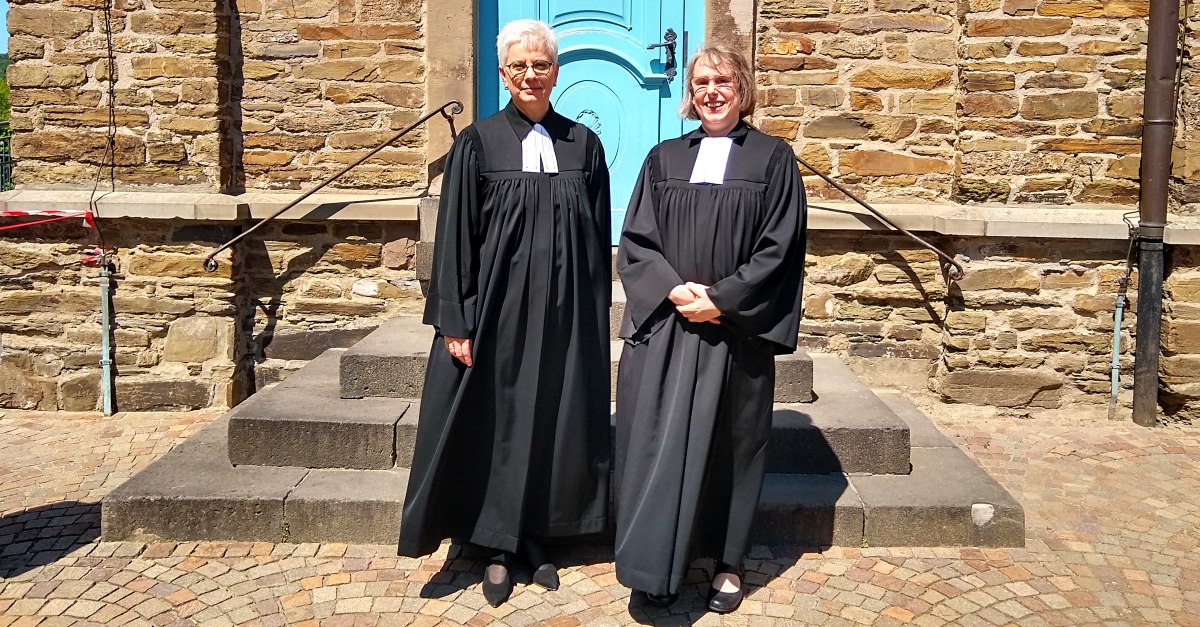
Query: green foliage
x=4, y=106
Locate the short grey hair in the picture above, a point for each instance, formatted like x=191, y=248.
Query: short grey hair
x=531, y=33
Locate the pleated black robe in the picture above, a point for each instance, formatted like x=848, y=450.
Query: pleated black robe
x=694, y=400
x=519, y=442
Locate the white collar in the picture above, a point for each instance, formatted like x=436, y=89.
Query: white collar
x=711, y=160
x=537, y=151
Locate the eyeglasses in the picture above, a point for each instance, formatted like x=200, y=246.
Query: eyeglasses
x=540, y=68
x=720, y=83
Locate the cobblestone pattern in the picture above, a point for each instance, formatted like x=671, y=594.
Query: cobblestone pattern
x=1113, y=513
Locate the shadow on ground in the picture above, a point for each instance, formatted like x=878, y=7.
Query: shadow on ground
x=41, y=535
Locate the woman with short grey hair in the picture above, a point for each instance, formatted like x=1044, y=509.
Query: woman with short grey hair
x=513, y=435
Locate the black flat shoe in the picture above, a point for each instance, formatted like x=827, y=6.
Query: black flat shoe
x=545, y=574
x=496, y=593
x=661, y=600
x=726, y=602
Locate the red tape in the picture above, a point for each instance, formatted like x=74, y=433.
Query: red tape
x=88, y=220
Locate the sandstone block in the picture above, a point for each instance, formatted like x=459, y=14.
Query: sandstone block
x=835, y=126
x=172, y=67
x=988, y=105
x=850, y=269
x=1110, y=191
x=199, y=339
x=262, y=70
x=343, y=70
x=22, y=256
x=1181, y=336
x=164, y=23
x=1000, y=278
x=73, y=116
x=1101, y=47
x=1040, y=48
x=1018, y=27
x=31, y=75
x=350, y=308
x=21, y=48
x=191, y=45
x=968, y=321
x=353, y=255
x=1111, y=8
x=1108, y=145
x=785, y=44
x=173, y=265
x=83, y=146
x=267, y=157
x=1074, y=104
x=902, y=22
x=22, y=390
x=1020, y=7
x=808, y=26
x=147, y=305
x=284, y=141
x=1076, y=64
x=1184, y=286
x=391, y=11
x=828, y=97
x=980, y=190
x=815, y=155
x=882, y=163
x=1024, y=319
x=1057, y=81
x=936, y=50
x=901, y=77
x=48, y=23
x=927, y=104
x=79, y=392
x=1002, y=388
x=1125, y=105
x=349, y=49
x=1058, y=341
x=991, y=49
x=174, y=152
x=989, y=81
x=865, y=101
x=182, y=394
x=402, y=71
x=780, y=127
x=852, y=47
x=359, y=31
x=297, y=9
x=399, y=254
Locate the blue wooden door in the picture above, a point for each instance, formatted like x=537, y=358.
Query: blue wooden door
x=609, y=78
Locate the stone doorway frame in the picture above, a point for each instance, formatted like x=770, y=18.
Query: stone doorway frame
x=451, y=37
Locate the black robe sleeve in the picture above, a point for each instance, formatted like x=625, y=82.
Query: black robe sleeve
x=453, y=289
x=598, y=194
x=645, y=273
x=763, y=297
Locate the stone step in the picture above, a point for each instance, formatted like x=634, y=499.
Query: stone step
x=193, y=493
x=303, y=422
x=390, y=362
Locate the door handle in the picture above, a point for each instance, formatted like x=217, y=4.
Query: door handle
x=668, y=42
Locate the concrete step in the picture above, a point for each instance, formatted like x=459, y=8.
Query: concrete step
x=390, y=362
x=194, y=493
x=303, y=422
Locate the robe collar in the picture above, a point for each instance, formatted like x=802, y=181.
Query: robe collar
x=737, y=134
x=560, y=128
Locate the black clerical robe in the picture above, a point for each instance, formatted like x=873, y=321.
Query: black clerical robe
x=519, y=442
x=694, y=400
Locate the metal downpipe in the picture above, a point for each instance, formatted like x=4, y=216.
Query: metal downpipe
x=106, y=352
x=1158, y=130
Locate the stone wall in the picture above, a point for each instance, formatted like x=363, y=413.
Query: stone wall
x=185, y=338
x=214, y=95
x=1030, y=101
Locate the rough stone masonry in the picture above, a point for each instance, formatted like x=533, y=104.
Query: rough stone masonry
x=983, y=103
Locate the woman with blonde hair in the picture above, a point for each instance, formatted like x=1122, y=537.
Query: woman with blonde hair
x=513, y=436
x=712, y=259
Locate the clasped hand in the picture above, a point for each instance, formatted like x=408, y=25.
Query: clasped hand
x=692, y=302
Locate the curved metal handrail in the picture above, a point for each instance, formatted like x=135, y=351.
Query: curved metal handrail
x=456, y=107
x=953, y=269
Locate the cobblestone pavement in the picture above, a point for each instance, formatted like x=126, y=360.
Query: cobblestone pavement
x=1112, y=512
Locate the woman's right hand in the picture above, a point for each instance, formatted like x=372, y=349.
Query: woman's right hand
x=460, y=348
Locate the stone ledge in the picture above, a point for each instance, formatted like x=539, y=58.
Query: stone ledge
x=220, y=207
x=1041, y=221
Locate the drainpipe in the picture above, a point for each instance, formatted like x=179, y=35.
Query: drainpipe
x=1158, y=130
x=106, y=361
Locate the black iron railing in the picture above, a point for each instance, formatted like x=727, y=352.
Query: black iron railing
x=453, y=106
x=6, y=160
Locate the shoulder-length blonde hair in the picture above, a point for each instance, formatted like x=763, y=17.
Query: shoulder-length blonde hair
x=720, y=57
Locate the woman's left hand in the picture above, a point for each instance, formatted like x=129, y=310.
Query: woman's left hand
x=702, y=309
